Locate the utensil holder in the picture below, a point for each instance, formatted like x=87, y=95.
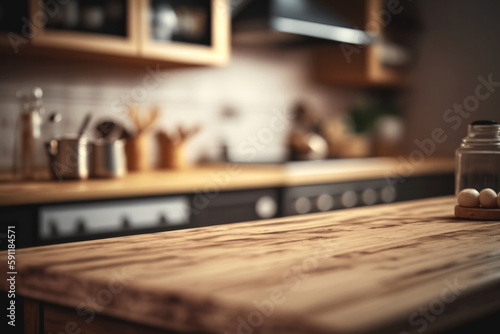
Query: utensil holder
x=69, y=158
x=108, y=159
x=172, y=156
x=138, y=152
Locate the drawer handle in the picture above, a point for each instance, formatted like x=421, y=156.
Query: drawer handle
x=126, y=223
x=80, y=227
x=163, y=221
x=53, y=229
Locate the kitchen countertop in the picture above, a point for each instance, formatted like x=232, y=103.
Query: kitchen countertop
x=362, y=270
x=228, y=176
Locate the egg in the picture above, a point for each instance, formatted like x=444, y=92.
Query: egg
x=498, y=200
x=488, y=198
x=468, y=198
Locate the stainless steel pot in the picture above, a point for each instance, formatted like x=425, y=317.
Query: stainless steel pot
x=108, y=159
x=69, y=158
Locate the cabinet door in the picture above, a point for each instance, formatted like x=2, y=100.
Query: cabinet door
x=385, y=62
x=234, y=206
x=109, y=26
x=187, y=31
x=424, y=186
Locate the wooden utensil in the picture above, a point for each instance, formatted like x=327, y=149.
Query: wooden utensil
x=138, y=148
x=143, y=124
x=172, y=147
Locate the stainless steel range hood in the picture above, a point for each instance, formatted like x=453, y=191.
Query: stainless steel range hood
x=298, y=17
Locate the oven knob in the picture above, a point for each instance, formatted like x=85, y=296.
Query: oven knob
x=349, y=199
x=302, y=205
x=324, y=202
x=369, y=196
x=266, y=207
x=388, y=194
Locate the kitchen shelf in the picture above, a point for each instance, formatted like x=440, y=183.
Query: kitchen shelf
x=91, y=42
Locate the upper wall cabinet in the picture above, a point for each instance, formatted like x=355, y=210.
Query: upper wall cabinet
x=12, y=27
x=393, y=26
x=193, y=32
x=105, y=27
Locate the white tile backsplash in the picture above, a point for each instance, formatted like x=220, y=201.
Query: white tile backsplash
x=256, y=83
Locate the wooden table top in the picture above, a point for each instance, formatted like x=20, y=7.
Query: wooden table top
x=362, y=270
x=228, y=176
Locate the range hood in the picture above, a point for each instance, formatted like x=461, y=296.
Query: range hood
x=307, y=18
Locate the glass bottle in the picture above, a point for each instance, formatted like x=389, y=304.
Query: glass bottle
x=478, y=158
x=30, y=161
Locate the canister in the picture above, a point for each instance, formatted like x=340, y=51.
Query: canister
x=478, y=158
x=69, y=158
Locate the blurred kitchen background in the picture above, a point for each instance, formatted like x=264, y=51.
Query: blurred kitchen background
x=447, y=45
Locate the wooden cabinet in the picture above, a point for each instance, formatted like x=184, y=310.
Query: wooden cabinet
x=11, y=24
x=126, y=29
x=212, y=49
x=386, y=61
x=81, y=37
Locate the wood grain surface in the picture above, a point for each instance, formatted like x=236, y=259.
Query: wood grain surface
x=228, y=176
x=31, y=316
x=350, y=271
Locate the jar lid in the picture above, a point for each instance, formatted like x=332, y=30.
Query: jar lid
x=484, y=122
x=482, y=133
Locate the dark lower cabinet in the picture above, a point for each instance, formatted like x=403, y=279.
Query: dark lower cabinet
x=56, y=223
x=235, y=206
x=426, y=186
x=39, y=317
x=21, y=222
x=489, y=324
x=343, y=195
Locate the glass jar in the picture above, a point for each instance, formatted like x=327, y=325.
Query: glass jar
x=478, y=158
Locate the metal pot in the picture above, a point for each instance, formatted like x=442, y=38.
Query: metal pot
x=108, y=159
x=69, y=158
